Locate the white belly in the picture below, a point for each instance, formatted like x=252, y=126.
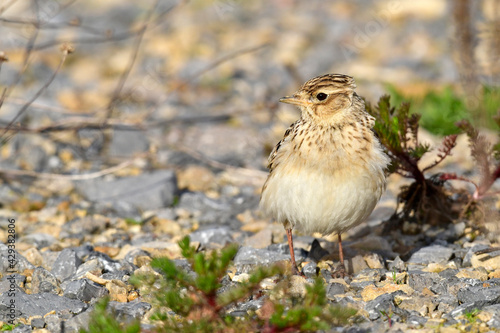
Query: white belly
x=313, y=201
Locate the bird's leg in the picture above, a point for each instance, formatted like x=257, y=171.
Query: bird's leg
x=341, y=253
x=340, y=271
x=295, y=271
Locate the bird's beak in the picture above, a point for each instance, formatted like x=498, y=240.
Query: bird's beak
x=295, y=100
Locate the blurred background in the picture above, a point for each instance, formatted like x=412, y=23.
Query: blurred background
x=199, y=81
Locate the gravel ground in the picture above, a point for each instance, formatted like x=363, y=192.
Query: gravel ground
x=82, y=245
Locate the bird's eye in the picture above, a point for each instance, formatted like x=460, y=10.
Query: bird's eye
x=321, y=96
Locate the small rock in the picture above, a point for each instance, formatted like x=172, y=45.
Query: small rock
x=142, y=260
x=361, y=284
x=37, y=322
x=220, y=211
x=43, y=303
x=467, y=260
x=448, y=273
x=334, y=289
x=6, y=266
x=93, y=266
x=12, y=281
x=218, y=235
x=39, y=240
x=66, y=264
x=260, y=240
x=383, y=303
x=147, y=191
x=268, y=284
x=108, y=264
x=481, y=295
x=419, y=280
x=472, y=274
x=53, y=323
x=372, y=243
x=297, y=285
x=374, y=260
x=33, y=256
x=356, y=264
x=125, y=143
x=397, y=264
x=420, y=304
x=196, y=178
x=84, y=290
x=434, y=267
x=93, y=224
x=490, y=261
x=494, y=275
x=371, y=292
x=430, y=254
x=167, y=226
x=43, y=281
x=128, y=312
x=117, y=291
x=415, y=321
x=317, y=252
x=374, y=275
x=250, y=256
x=241, y=278
x=76, y=323
x=310, y=269
x=491, y=315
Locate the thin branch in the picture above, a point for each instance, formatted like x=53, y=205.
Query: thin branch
x=219, y=62
x=87, y=176
x=215, y=164
x=66, y=50
x=211, y=66
x=126, y=73
x=54, y=109
x=80, y=123
x=107, y=37
x=26, y=57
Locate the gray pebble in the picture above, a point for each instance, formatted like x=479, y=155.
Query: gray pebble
x=147, y=191
x=334, y=289
x=66, y=264
x=84, y=290
x=44, y=281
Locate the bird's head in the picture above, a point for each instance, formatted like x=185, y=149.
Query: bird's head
x=325, y=98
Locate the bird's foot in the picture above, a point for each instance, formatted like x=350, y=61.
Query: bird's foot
x=340, y=272
x=295, y=271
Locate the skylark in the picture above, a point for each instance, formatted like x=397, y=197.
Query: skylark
x=327, y=173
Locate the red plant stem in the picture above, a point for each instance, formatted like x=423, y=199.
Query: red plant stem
x=481, y=191
x=414, y=170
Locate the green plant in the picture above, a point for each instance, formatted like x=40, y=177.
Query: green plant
x=424, y=199
x=388, y=315
x=8, y=327
x=471, y=316
x=104, y=322
x=395, y=277
x=193, y=302
x=442, y=109
x=132, y=221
